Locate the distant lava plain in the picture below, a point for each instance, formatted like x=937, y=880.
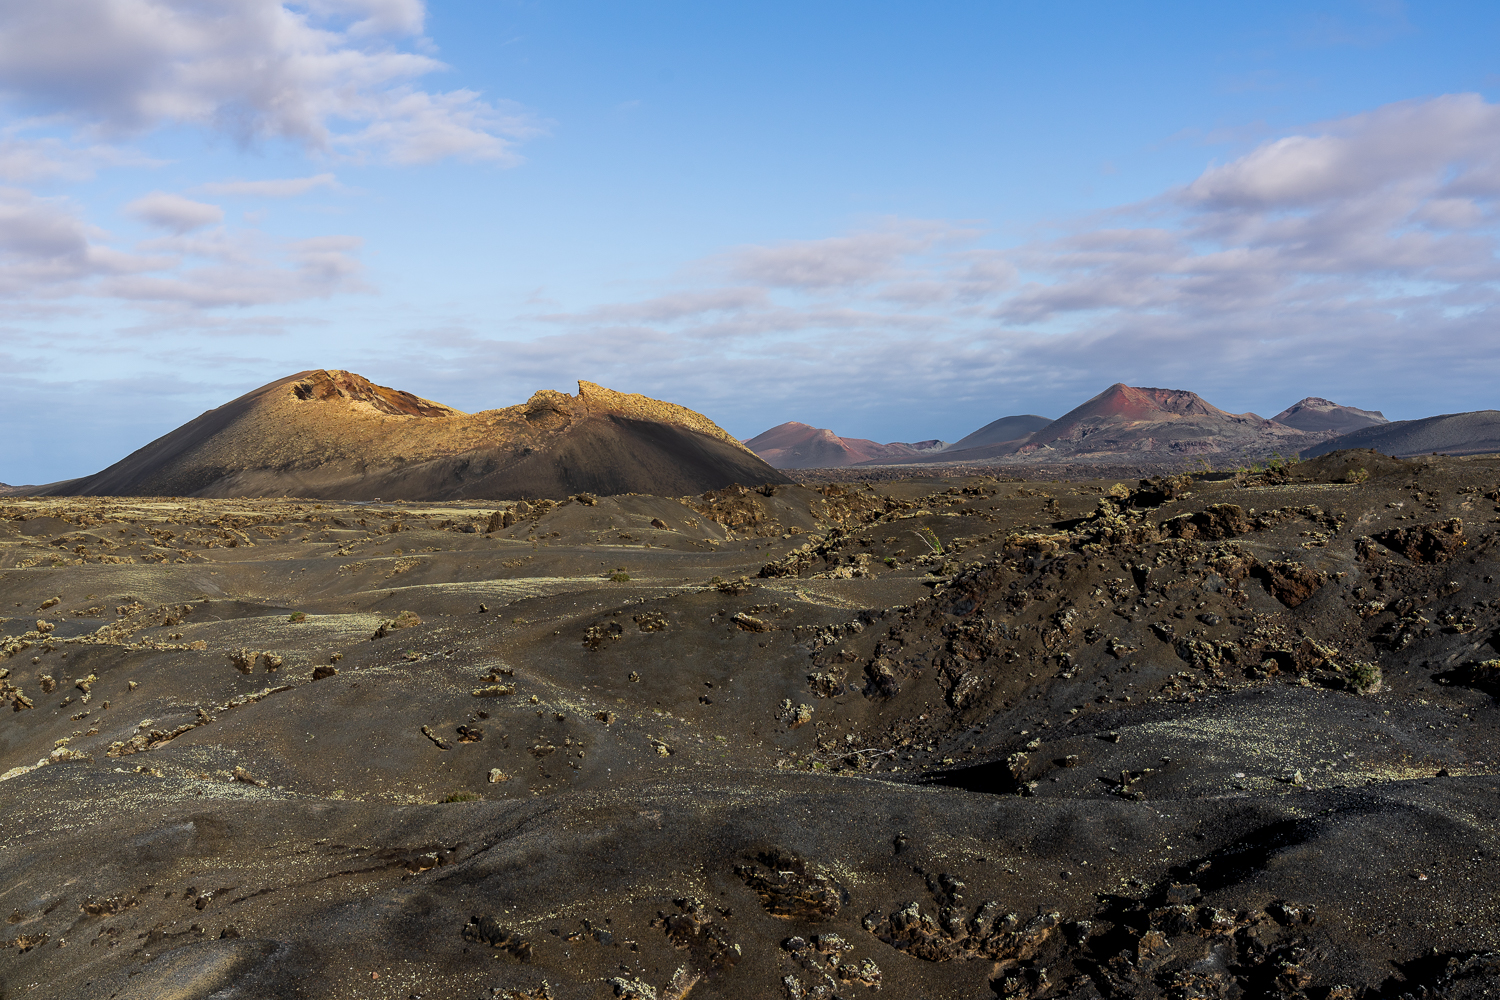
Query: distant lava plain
x=1230, y=736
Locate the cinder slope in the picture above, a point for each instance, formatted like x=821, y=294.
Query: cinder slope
x=336, y=435
x=1317, y=414
x=1473, y=433
x=794, y=445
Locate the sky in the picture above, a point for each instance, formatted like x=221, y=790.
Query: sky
x=897, y=220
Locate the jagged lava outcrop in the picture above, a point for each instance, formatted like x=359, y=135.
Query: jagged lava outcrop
x=336, y=435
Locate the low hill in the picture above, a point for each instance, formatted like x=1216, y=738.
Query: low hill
x=1316, y=414
x=336, y=435
x=1473, y=433
x=794, y=445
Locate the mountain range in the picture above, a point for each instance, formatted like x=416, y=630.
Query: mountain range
x=330, y=434
x=1121, y=422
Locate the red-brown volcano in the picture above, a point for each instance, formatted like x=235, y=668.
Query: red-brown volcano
x=1128, y=420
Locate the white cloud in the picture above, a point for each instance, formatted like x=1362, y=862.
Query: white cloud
x=413, y=126
x=25, y=159
x=47, y=251
x=375, y=17
x=285, y=187
x=328, y=78
x=839, y=261
x=1401, y=194
x=174, y=212
x=1449, y=140
x=50, y=255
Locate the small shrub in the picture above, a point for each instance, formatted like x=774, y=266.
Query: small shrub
x=462, y=797
x=1357, y=476
x=1365, y=677
x=297, y=616
x=619, y=577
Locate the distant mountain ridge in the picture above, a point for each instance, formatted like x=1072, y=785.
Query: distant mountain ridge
x=329, y=434
x=1121, y=422
x=794, y=445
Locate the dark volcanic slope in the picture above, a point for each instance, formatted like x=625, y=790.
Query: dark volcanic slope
x=1474, y=433
x=1317, y=414
x=1186, y=738
x=333, y=434
x=1002, y=430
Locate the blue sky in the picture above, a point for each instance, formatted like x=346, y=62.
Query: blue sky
x=900, y=221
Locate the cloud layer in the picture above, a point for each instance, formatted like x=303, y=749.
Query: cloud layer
x=327, y=77
x=50, y=256
x=81, y=79
x=1355, y=260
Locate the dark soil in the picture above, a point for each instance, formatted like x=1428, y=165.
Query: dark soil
x=1226, y=737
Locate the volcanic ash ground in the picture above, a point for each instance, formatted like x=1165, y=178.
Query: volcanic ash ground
x=1213, y=737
